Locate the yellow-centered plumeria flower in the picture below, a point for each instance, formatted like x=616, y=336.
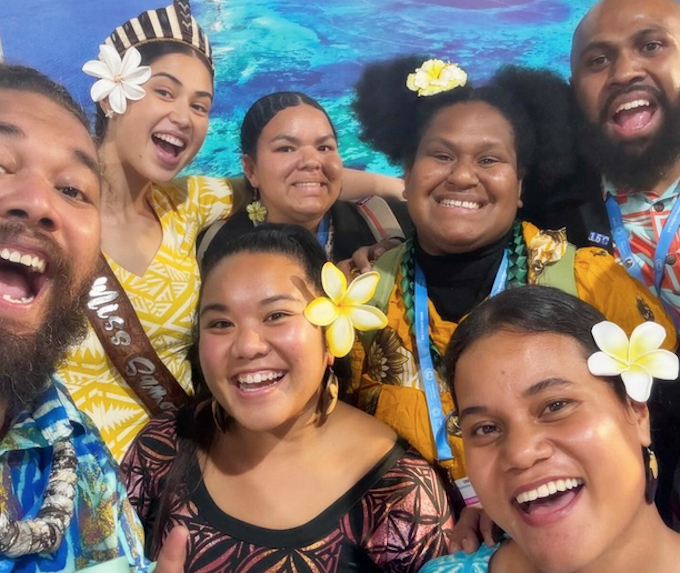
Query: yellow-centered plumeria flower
x=436, y=76
x=638, y=361
x=343, y=309
x=257, y=212
x=120, y=79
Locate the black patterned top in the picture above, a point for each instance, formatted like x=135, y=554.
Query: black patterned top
x=395, y=518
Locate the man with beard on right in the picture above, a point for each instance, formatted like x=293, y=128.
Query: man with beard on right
x=62, y=505
x=625, y=76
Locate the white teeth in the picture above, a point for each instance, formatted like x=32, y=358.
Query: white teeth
x=258, y=377
x=308, y=184
x=461, y=204
x=632, y=105
x=23, y=300
x=38, y=264
x=548, y=489
x=34, y=262
x=171, y=139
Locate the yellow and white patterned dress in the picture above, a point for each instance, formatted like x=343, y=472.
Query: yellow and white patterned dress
x=165, y=300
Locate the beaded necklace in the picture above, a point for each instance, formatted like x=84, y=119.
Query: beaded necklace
x=517, y=276
x=44, y=534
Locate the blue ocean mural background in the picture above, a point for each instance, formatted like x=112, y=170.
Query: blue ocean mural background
x=318, y=47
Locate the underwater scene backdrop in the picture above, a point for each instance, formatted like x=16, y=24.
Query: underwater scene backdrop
x=318, y=47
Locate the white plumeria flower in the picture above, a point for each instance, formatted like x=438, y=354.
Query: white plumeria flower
x=119, y=79
x=344, y=309
x=637, y=361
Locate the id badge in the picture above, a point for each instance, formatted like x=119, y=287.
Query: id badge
x=467, y=491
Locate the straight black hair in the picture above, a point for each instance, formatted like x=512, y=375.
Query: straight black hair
x=531, y=309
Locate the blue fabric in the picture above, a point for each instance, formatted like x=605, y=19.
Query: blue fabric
x=104, y=525
x=461, y=562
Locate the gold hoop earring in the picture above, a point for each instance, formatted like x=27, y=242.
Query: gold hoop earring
x=219, y=415
x=329, y=395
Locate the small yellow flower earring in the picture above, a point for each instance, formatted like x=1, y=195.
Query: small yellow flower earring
x=257, y=212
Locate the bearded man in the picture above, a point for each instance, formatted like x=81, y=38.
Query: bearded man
x=625, y=68
x=625, y=77
x=62, y=506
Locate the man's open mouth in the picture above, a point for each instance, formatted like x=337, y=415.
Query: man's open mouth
x=633, y=116
x=22, y=275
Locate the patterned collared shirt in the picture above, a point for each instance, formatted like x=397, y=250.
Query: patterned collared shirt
x=644, y=216
x=104, y=525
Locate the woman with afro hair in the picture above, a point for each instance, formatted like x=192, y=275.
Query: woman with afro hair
x=468, y=154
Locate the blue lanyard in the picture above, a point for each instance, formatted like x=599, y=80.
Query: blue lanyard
x=323, y=230
x=663, y=245
x=621, y=238
x=427, y=371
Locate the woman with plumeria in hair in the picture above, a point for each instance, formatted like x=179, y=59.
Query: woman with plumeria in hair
x=154, y=94
x=552, y=408
x=270, y=471
x=466, y=152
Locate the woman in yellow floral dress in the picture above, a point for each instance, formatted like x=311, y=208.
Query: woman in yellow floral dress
x=465, y=153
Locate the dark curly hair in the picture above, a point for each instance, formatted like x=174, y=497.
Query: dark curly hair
x=538, y=104
x=393, y=118
x=558, y=178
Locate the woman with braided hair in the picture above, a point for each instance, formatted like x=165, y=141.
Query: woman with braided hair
x=465, y=153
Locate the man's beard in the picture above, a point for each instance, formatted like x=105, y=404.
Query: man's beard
x=28, y=361
x=632, y=163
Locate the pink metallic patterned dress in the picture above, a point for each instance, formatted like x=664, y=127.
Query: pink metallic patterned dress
x=396, y=518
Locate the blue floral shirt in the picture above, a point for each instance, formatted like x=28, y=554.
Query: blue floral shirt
x=461, y=562
x=104, y=525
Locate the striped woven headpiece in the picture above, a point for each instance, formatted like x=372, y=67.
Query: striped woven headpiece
x=173, y=23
